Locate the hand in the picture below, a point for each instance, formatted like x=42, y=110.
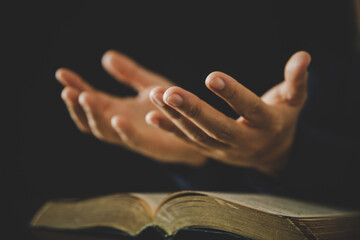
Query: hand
x=262, y=135
x=121, y=121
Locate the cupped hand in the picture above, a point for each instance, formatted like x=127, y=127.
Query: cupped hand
x=119, y=120
x=260, y=137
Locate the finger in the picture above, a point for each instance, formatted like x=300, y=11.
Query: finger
x=132, y=138
x=129, y=72
x=70, y=78
x=127, y=132
x=90, y=105
x=157, y=119
x=294, y=89
x=70, y=97
x=242, y=100
x=200, y=122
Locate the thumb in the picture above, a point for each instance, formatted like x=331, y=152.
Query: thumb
x=294, y=89
x=127, y=71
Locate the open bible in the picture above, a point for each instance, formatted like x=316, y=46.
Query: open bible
x=249, y=215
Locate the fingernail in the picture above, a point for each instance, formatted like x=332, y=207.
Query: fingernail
x=158, y=99
x=174, y=100
x=217, y=83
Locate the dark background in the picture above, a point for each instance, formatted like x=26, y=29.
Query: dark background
x=249, y=40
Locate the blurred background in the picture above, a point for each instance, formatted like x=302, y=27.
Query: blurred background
x=182, y=40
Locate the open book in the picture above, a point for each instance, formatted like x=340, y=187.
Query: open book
x=250, y=215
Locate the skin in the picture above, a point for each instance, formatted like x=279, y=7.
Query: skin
x=170, y=124
x=260, y=137
x=262, y=134
x=121, y=121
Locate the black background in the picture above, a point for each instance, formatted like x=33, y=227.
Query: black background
x=250, y=40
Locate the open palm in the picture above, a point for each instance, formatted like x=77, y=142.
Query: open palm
x=260, y=137
x=119, y=120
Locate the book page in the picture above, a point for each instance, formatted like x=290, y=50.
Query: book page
x=153, y=199
x=280, y=205
x=103, y=211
